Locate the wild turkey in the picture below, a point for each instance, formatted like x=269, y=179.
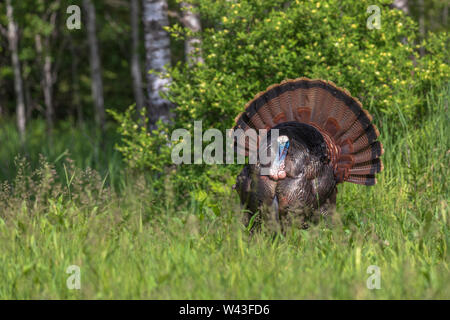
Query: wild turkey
x=325, y=138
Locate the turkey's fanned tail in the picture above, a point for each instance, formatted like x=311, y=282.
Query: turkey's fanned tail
x=347, y=128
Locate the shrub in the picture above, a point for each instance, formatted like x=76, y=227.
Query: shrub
x=249, y=45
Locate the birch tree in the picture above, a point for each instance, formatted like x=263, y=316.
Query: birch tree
x=421, y=5
x=43, y=47
x=18, y=84
x=157, y=47
x=401, y=5
x=191, y=21
x=135, y=61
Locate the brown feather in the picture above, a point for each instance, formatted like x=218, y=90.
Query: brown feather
x=339, y=117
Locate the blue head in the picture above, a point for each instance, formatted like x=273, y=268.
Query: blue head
x=277, y=169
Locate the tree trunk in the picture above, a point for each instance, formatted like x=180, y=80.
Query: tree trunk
x=94, y=59
x=404, y=6
x=18, y=85
x=29, y=102
x=191, y=21
x=135, y=61
x=401, y=5
x=75, y=84
x=46, y=82
x=422, y=25
x=445, y=15
x=157, y=46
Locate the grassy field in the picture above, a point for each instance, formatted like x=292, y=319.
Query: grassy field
x=131, y=241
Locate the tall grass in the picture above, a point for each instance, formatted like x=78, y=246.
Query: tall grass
x=141, y=242
x=82, y=143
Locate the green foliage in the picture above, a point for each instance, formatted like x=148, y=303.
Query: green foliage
x=142, y=148
x=257, y=44
x=249, y=45
x=151, y=150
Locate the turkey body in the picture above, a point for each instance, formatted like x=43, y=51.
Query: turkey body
x=309, y=187
x=325, y=138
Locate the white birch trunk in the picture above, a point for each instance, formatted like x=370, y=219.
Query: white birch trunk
x=47, y=81
x=135, y=61
x=157, y=46
x=18, y=85
x=401, y=5
x=192, y=44
x=422, y=25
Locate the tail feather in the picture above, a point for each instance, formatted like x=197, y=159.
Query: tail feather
x=266, y=115
x=370, y=135
x=286, y=105
x=258, y=122
x=344, y=116
x=374, y=151
x=367, y=180
x=347, y=128
x=356, y=129
x=316, y=99
x=370, y=167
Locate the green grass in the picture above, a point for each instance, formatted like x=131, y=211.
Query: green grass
x=139, y=242
x=80, y=143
